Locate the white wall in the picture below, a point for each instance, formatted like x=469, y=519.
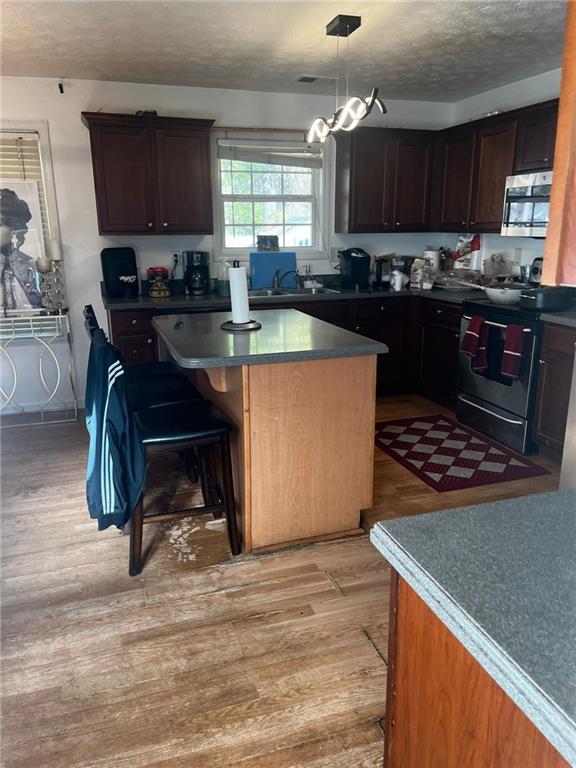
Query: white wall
x=522, y=93
x=39, y=99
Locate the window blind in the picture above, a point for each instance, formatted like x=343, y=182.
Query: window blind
x=21, y=160
x=297, y=154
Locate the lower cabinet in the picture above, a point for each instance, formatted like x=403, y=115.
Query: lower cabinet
x=137, y=349
x=439, y=345
x=386, y=321
x=554, y=380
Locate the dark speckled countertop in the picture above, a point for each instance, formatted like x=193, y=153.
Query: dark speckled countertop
x=179, y=302
x=502, y=577
x=198, y=341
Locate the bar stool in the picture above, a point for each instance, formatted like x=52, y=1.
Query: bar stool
x=181, y=427
x=149, y=384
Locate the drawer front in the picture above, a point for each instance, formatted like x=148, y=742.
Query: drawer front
x=137, y=349
x=441, y=313
x=558, y=340
x=131, y=322
x=373, y=309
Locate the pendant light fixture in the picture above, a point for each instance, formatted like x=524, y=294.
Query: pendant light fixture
x=347, y=116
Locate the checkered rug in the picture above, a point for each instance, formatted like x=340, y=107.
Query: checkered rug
x=448, y=456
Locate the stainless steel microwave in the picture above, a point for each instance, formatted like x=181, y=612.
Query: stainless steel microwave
x=527, y=205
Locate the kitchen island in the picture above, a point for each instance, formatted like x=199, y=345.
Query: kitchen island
x=301, y=395
x=482, y=640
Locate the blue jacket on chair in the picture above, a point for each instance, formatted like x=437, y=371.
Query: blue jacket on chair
x=117, y=458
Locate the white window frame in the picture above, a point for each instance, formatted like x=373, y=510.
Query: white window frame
x=41, y=128
x=320, y=213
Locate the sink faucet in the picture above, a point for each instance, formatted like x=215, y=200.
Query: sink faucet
x=277, y=279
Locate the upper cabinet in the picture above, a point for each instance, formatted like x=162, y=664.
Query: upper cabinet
x=455, y=173
x=536, y=138
x=392, y=180
x=494, y=161
x=382, y=180
x=151, y=174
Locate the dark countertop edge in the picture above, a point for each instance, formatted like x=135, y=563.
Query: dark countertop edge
x=544, y=713
x=213, y=302
x=566, y=322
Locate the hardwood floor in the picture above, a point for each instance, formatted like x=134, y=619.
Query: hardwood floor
x=273, y=661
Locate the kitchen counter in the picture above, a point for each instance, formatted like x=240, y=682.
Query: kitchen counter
x=502, y=578
x=198, y=341
x=566, y=318
x=301, y=395
x=212, y=301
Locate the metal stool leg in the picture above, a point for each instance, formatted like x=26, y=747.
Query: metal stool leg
x=136, y=524
x=228, y=491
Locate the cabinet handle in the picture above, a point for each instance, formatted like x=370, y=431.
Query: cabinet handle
x=397, y=223
x=385, y=223
x=438, y=311
x=546, y=159
x=133, y=322
x=148, y=341
x=165, y=224
x=456, y=335
x=473, y=223
x=356, y=327
x=463, y=223
x=150, y=224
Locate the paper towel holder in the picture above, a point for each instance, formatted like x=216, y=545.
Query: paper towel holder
x=251, y=325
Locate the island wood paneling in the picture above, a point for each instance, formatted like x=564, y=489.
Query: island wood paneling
x=560, y=253
x=312, y=447
x=445, y=711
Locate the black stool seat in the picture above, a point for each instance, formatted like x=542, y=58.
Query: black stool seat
x=158, y=390
x=181, y=422
x=152, y=370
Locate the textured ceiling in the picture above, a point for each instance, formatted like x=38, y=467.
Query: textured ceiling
x=440, y=50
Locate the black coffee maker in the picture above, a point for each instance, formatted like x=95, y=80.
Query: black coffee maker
x=196, y=272
x=355, y=269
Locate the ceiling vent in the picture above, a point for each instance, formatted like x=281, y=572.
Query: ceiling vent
x=307, y=79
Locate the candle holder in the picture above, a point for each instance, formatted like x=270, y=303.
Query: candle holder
x=251, y=325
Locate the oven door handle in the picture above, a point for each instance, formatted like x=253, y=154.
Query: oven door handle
x=497, y=325
x=486, y=410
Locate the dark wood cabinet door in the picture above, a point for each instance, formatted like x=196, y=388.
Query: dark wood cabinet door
x=123, y=162
x=494, y=162
x=411, y=182
x=535, y=140
x=391, y=367
x=456, y=168
x=554, y=381
x=439, y=363
x=371, y=169
x=184, y=185
x=137, y=349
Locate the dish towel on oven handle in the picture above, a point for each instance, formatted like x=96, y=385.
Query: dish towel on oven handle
x=513, y=349
x=474, y=343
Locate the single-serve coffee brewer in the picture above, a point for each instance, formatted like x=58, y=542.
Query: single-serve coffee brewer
x=196, y=272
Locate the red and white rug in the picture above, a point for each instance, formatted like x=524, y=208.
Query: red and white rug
x=448, y=456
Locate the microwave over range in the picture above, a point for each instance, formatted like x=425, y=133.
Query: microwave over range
x=527, y=205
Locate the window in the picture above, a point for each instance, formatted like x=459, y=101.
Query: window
x=21, y=161
x=268, y=188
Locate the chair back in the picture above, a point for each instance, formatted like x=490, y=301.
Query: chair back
x=90, y=321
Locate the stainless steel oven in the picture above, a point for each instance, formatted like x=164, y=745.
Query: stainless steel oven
x=489, y=402
x=527, y=205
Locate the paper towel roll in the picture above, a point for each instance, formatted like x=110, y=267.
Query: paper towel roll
x=239, y=295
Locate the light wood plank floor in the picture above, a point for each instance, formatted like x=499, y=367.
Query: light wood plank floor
x=275, y=661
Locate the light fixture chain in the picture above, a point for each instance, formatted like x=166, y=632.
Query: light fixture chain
x=347, y=59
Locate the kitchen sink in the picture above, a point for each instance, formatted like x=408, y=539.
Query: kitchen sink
x=265, y=292
x=308, y=291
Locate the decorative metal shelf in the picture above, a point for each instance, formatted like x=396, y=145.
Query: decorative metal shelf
x=45, y=331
